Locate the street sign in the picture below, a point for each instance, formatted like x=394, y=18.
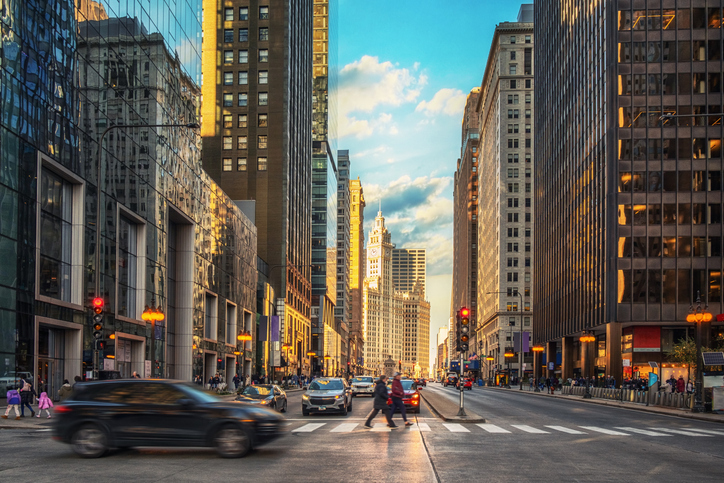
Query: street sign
x=551, y=366
x=627, y=363
x=653, y=365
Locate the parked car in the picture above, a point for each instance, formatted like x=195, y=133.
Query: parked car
x=363, y=385
x=327, y=394
x=11, y=380
x=124, y=413
x=411, y=399
x=268, y=395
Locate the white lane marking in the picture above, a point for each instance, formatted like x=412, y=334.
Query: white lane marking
x=308, y=428
x=684, y=433
x=491, y=428
x=563, y=429
x=420, y=427
x=456, y=428
x=604, y=431
x=41, y=430
x=382, y=427
x=642, y=431
x=344, y=428
x=706, y=431
x=529, y=429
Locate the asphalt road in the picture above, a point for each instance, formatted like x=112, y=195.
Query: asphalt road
x=526, y=438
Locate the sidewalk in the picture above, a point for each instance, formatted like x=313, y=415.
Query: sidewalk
x=680, y=413
x=447, y=410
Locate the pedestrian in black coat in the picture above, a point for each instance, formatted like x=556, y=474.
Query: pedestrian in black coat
x=380, y=403
x=26, y=398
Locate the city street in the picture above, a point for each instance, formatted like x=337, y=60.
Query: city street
x=525, y=438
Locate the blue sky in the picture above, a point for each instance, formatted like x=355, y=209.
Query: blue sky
x=405, y=69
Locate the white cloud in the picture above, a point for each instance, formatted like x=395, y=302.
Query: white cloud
x=446, y=101
x=367, y=84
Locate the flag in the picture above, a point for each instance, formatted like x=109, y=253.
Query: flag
x=473, y=357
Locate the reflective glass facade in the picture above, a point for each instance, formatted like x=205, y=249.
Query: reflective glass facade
x=170, y=238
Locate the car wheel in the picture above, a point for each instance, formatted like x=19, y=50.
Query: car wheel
x=232, y=442
x=305, y=412
x=344, y=410
x=89, y=441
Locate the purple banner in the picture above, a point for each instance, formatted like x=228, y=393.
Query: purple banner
x=274, y=328
x=516, y=342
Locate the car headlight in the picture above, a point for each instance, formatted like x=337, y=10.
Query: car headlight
x=305, y=397
x=265, y=401
x=338, y=397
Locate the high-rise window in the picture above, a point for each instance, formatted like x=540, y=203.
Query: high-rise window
x=263, y=55
x=127, y=267
x=228, y=100
x=226, y=164
x=243, y=35
x=228, y=123
x=263, y=98
x=262, y=120
x=262, y=142
x=243, y=13
x=211, y=319
x=241, y=164
x=228, y=78
x=512, y=69
x=243, y=99
x=228, y=14
x=263, y=77
x=263, y=13
x=241, y=120
x=227, y=143
x=264, y=33
x=261, y=163
x=241, y=142
x=243, y=77
x=56, y=236
x=228, y=56
x=228, y=35
x=243, y=56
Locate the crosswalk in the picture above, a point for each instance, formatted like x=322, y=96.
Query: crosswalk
x=505, y=430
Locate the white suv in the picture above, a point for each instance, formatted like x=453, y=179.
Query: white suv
x=327, y=394
x=363, y=385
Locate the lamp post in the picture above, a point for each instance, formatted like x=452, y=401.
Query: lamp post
x=285, y=348
x=585, y=338
x=698, y=315
x=520, y=337
x=509, y=354
x=311, y=355
x=537, y=350
x=97, y=254
x=243, y=337
x=489, y=358
x=327, y=357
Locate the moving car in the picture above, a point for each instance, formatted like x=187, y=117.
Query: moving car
x=124, y=413
x=421, y=382
x=450, y=380
x=363, y=385
x=468, y=384
x=268, y=395
x=327, y=394
x=411, y=399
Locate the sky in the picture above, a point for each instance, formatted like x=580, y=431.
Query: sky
x=405, y=69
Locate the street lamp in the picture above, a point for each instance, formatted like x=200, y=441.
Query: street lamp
x=489, y=358
x=286, y=347
x=698, y=315
x=509, y=354
x=537, y=350
x=520, y=336
x=585, y=338
x=327, y=357
x=311, y=355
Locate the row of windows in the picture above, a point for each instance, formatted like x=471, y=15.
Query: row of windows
x=241, y=120
x=666, y=213
x=514, y=188
x=513, y=39
x=513, y=248
x=515, y=143
x=513, y=217
x=513, y=262
x=514, y=98
x=513, y=84
x=515, y=114
x=669, y=181
x=241, y=142
x=669, y=51
x=513, y=172
x=241, y=164
x=643, y=149
x=243, y=77
x=669, y=246
x=513, y=276
x=242, y=99
x=669, y=84
x=513, y=202
x=244, y=35
x=244, y=14
x=669, y=19
x=513, y=233
x=668, y=286
x=243, y=56
x=513, y=158
x=515, y=128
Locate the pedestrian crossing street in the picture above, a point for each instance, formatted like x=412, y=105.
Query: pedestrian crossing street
x=501, y=429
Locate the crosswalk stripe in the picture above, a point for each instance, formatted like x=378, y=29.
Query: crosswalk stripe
x=491, y=428
x=308, y=428
x=381, y=427
x=684, y=433
x=529, y=429
x=566, y=430
x=456, y=428
x=706, y=431
x=420, y=427
x=643, y=431
x=604, y=431
x=344, y=428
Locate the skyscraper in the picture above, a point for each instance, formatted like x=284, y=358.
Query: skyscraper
x=628, y=206
x=257, y=132
x=415, y=333
x=344, y=295
x=409, y=269
x=357, y=270
x=505, y=193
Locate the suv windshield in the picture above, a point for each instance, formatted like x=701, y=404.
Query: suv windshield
x=326, y=385
x=257, y=391
x=362, y=379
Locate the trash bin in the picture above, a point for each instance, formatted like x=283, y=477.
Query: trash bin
x=480, y=382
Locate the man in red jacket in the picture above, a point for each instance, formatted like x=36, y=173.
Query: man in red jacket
x=397, y=394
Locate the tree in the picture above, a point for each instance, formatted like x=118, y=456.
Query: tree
x=684, y=351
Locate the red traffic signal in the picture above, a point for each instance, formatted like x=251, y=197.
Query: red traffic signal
x=98, y=304
x=465, y=312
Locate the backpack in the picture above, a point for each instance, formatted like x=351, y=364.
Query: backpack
x=13, y=397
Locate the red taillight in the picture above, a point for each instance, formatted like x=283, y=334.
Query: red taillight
x=61, y=409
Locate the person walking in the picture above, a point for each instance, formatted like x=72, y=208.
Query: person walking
x=398, y=392
x=13, y=398
x=135, y=375
x=76, y=380
x=680, y=385
x=380, y=403
x=65, y=390
x=44, y=403
x=26, y=398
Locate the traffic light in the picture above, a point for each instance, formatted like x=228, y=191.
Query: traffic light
x=98, y=305
x=464, y=334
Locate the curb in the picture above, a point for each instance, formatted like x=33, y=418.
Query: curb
x=645, y=409
x=460, y=419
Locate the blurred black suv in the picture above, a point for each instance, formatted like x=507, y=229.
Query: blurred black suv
x=135, y=412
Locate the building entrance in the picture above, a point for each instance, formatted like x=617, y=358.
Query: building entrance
x=51, y=361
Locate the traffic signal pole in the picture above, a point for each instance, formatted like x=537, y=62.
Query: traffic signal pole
x=461, y=411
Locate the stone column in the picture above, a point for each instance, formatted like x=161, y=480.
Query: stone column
x=566, y=358
x=550, y=357
x=614, y=365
